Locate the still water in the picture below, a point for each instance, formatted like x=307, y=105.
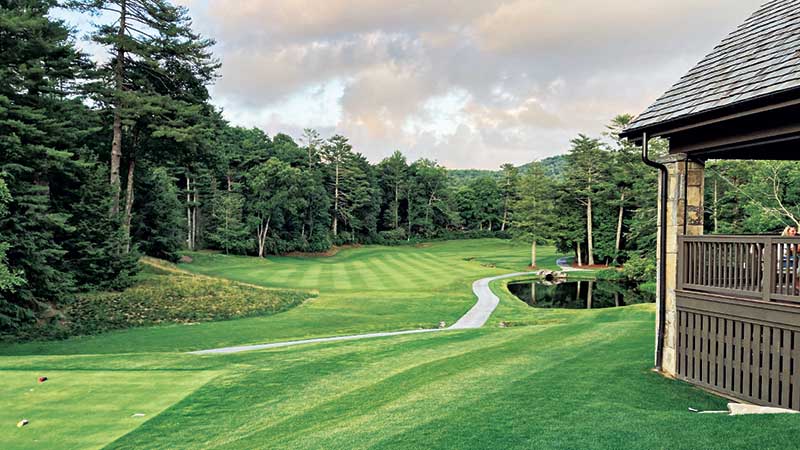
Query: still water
x=579, y=294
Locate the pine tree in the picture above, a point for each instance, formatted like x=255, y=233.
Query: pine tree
x=228, y=230
x=154, y=82
x=533, y=211
x=9, y=279
x=337, y=153
x=509, y=191
x=393, y=180
x=586, y=174
x=40, y=124
x=157, y=227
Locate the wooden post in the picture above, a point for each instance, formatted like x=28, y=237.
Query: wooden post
x=682, y=255
x=769, y=270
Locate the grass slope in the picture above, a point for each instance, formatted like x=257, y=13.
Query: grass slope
x=361, y=290
x=562, y=379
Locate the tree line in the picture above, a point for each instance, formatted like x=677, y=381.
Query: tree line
x=103, y=161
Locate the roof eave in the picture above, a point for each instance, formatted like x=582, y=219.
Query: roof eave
x=767, y=102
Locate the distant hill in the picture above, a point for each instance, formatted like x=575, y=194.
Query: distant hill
x=553, y=166
x=463, y=176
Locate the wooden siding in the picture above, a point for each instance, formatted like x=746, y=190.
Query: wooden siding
x=744, y=349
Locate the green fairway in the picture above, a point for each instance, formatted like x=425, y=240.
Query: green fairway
x=555, y=379
x=361, y=290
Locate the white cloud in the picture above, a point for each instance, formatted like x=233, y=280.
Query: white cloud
x=472, y=83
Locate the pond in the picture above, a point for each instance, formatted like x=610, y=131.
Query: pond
x=579, y=294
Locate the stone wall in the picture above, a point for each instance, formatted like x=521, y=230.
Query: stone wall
x=684, y=216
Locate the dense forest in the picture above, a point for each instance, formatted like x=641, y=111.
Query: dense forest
x=102, y=162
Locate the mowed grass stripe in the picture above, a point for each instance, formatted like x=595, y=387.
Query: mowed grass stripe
x=393, y=279
x=412, y=273
x=372, y=278
x=339, y=276
x=356, y=275
x=424, y=272
x=311, y=276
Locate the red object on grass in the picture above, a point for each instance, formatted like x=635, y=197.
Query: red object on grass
x=42, y=379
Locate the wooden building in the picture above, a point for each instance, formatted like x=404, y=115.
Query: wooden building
x=729, y=306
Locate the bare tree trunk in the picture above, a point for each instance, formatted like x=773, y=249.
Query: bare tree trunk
x=505, y=214
x=409, y=214
x=119, y=86
x=533, y=253
x=618, y=246
x=189, y=237
x=578, y=253
x=715, y=213
x=336, y=202
x=396, y=206
x=129, y=204
x=262, y=231
x=589, y=243
x=195, y=217
x=589, y=295
x=533, y=293
x=230, y=183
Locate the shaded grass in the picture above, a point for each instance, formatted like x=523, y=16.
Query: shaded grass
x=85, y=409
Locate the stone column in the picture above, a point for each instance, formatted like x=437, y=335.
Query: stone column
x=684, y=216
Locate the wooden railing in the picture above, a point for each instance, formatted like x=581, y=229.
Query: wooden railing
x=751, y=267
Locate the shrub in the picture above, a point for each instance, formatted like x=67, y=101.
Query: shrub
x=640, y=268
x=393, y=237
x=610, y=275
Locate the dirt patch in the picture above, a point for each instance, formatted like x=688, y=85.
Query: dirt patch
x=592, y=267
x=333, y=251
x=422, y=245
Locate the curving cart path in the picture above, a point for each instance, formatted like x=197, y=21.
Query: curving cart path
x=476, y=317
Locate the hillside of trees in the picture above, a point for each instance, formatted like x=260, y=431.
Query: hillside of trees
x=102, y=162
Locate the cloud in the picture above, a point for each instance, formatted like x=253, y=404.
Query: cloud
x=470, y=83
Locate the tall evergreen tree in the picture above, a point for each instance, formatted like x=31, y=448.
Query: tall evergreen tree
x=534, y=207
x=393, y=180
x=228, y=231
x=509, y=191
x=154, y=82
x=586, y=175
x=159, y=224
x=41, y=121
x=337, y=153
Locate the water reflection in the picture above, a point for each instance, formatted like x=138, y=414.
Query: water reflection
x=579, y=294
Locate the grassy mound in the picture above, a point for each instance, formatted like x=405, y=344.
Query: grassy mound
x=166, y=294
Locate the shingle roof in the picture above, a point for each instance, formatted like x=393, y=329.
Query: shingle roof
x=760, y=57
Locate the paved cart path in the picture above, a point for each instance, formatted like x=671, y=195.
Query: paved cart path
x=476, y=317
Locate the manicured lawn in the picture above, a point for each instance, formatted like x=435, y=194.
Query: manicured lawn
x=557, y=379
x=86, y=408
x=361, y=290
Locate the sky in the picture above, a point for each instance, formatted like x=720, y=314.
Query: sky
x=469, y=83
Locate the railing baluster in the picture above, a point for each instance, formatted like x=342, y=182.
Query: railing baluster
x=769, y=271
